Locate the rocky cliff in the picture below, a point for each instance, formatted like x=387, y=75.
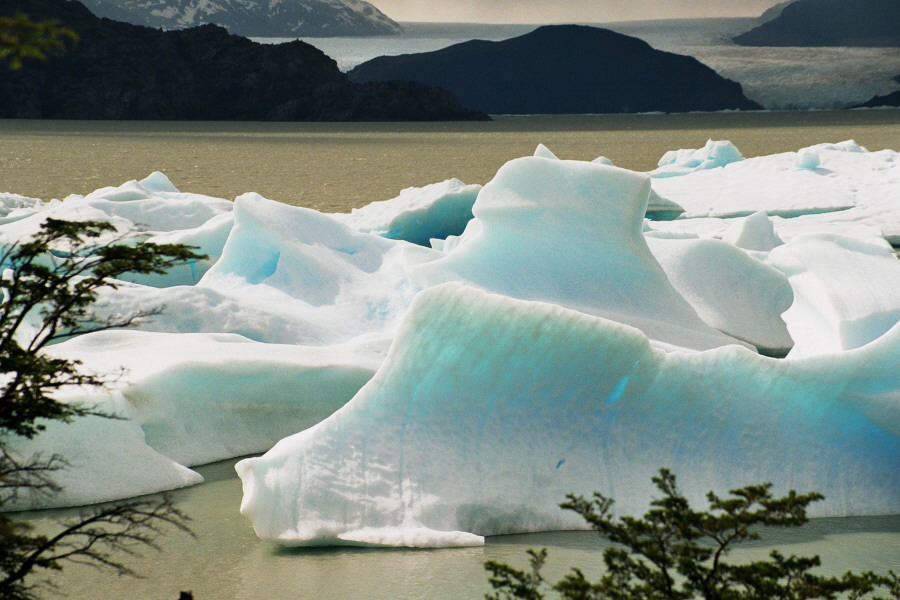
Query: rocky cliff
x=564, y=69
x=122, y=71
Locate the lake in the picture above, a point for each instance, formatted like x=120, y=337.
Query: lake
x=335, y=167
x=227, y=562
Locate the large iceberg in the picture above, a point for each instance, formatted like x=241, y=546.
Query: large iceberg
x=559, y=343
x=489, y=410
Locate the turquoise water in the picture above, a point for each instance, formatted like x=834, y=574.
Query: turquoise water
x=227, y=561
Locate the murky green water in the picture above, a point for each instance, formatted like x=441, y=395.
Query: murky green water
x=337, y=166
x=227, y=561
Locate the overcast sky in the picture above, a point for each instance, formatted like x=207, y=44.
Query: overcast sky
x=565, y=11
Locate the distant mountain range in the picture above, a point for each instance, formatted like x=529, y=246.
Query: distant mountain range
x=260, y=18
x=560, y=69
x=829, y=23
x=123, y=71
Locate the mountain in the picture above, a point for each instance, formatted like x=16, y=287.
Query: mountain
x=261, y=18
x=560, y=69
x=773, y=12
x=123, y=71
x=829, y=23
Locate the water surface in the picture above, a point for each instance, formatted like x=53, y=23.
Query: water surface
x=226, y=561
x=337, y=166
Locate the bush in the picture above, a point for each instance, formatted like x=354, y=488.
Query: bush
x=676, y=553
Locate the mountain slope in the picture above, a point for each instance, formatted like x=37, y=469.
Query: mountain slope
x=564, y=69
x=273, y=18
x=829, y=23
x=122, y=71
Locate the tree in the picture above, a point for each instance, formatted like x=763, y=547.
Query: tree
x=47, y=288
x=676, y=553
x=22, y=38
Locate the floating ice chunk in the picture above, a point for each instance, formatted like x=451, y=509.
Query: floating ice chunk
x=754, y=232
x=189, y=399
x=852, y=192
x=807, y=159
x=158, y=182
x=158, y=208
x=660, y=209
x=14, y=207
x=417, y=215
x=207, y=239
x=543, y=151
x=570, y=232
x=711, y=156
x=523, y=402
x=847, y=291
x=107, y=459
x=731, y=291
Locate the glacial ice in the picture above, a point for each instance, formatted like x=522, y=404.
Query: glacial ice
x=488, y=410
x=560, y=343
x=847, y=291
x=417, y=215
x=713, y=155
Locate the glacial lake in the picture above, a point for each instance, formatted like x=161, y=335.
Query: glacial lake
x=338, y=166
x=226, y=561
x=334, y=167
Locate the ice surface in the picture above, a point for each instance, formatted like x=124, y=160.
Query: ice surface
x=488, y=410
x=560, y=343
x=190, y=399
x=418, y=215
x=570, y=232
x=729, y=289
x=713, y=155
x=851, y=192
x=847, y=291
x=754, y=232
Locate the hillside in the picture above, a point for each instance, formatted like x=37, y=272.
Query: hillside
x=122, y=71
x=829, y=23
x=564, y=69
x=261, y=18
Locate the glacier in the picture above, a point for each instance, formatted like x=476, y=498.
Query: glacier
x=448, y=364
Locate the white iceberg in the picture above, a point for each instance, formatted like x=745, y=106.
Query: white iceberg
x=571, y=233
x=713, y=155
x=847, y=291
x=730, y=290
x=488, y=410
x=417, y=215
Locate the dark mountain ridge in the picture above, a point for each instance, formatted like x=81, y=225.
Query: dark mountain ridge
x=829, y=23
x=559, y=69
x=261, y=18
x=123, y=71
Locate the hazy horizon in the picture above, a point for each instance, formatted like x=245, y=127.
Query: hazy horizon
x=565, y=11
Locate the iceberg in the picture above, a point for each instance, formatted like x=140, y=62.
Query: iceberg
x=489, y=409
x=847, y=291
x=417, y=215
x=851, y=192
x=184, y=400
x=571, y=233
x=550, y=340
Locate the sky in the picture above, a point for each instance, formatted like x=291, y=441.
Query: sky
x=565, y=11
